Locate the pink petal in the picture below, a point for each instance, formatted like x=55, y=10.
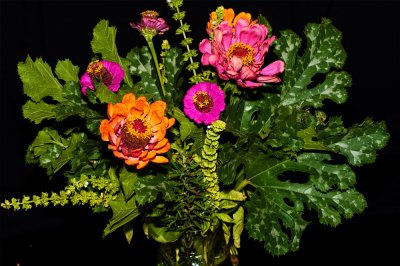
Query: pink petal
x=86, y=82
x=273, y=68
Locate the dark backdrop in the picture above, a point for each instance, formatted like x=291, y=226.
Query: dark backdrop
x=72, y=236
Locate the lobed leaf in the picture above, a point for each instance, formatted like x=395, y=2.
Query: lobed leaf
x=38, y=80
x=66, y=71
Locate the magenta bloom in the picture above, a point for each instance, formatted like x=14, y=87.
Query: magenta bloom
x=150, y=24
x=108, y=73
x=204, y=102
x=237, y=52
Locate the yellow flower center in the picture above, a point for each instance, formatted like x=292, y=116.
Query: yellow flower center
x=244, y=51
x=136, y=133
x=97, y=70
x=203, y=102
x=149, y=14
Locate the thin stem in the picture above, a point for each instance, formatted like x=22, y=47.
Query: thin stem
x=187, y=46
x=154, y=55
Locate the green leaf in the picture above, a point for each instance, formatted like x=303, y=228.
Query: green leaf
x=362, y=140
x=332, y=88
x=286, y=47
x=146, y=189
x=324, y=52
x=128, y=231
x=103, y=42
x=51, y=150
x=37, y=112
x=38, y=80
x=123, y=213
x=66, y=71
x=277, y=205
x=187, y=128
x=128, y=182
x=162, y=235
x=105, y=95
x=173, y=66
x=142, y=65
x=238, y=226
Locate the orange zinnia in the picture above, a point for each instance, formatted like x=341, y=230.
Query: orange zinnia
x=136, y=130
x=229, y=16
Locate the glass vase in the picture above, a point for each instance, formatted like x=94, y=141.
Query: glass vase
x=194, y=249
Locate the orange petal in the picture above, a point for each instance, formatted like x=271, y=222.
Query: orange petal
x=132, y=161
x=141, y=164
x=160, y=144
x=160, y=159
x=149, y=156
x=118, y=109
x=229, y=14
x=247, y=16
x=164, y=149
x=104, y=130
x=171, y=122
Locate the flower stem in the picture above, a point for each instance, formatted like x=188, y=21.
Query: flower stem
x=187, y=46
x=154, y=55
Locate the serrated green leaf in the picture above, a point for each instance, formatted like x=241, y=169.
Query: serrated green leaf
x=286, y=47
x=280, y=204
x=68, y=152
x=324, y=52
x=51, y=150
x=128, y=182
x=173, y=66
x=103, y=42
x=38, y=80
x=66, y=71
x=332, y=88
x=105, y=95
x=146, y=189
x=123, y=213
x=37, y=112
x=189, y=130
x=142, y=65
x=362, y=140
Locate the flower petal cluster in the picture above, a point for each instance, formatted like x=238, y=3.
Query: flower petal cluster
x=109, y=73
x=228, y=14
x=238, y=52
x=136, y=130
x=150, y=24
x=204, y=102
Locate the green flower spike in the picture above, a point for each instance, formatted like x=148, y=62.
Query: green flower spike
x=209, y=161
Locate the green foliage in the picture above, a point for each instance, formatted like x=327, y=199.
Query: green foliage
x=273, y=155
x=66, y=71
x=92, y=191
x=283, y=144
x=38, y=80
x=142, y=66
x=103, y=42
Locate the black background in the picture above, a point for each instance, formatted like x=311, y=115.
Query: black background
x=72, y=236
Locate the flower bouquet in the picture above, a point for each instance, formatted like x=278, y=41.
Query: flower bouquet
x=200, y=141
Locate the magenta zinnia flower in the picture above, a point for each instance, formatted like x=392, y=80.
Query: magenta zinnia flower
x=150, y=24
x=106, y=72
x=238, y=51
x=204, y=102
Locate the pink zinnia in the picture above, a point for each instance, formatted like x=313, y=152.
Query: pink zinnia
x=237, y=52
x=106, y=72
x=204, y=102
x=150, y=24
